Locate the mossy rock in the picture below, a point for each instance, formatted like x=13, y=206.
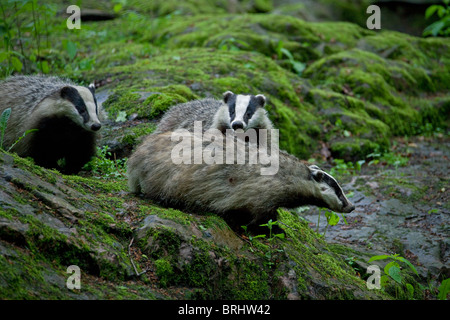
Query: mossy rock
x=266, y=34
x=373, y=80
x=195, y=7
x=143, y=88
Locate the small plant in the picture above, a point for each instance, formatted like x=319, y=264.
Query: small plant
x=427, y=130
x=442, y=26
x=4, y=117
x=272, y=251
x=444, y=289
x=297, y=66
x=351, y=262
x=3, y=123
x=343, y=167
x=231, y=44
x=332, y=219
x=393, y=271
x=389, y=158
x=25, y=29
x=104, y=167
x=270, y=254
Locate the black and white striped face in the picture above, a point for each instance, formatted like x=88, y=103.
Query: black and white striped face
x=242, y=108
x=84, y=106
x=330, y=191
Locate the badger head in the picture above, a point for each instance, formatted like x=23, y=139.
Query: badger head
x=330, y=193
x=80, y=105
x=243, y=108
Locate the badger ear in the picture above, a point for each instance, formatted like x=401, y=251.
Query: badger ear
x=316, y=174
x=68, y=93
x=314, y=167
x=227, y=95
x=261, y=99
x=91, y=87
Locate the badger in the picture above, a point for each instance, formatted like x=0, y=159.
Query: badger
x=235, y=111
x=236, y=192
x=65, y=115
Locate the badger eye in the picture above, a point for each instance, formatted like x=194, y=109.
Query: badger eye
x=323, y=189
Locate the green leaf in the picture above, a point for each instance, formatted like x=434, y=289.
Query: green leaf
x=4, y=118
x=434, y=28
x=408, y=263
x=395, y=274
x=380, y=257
x=298, y=67
x=389, y=265
x=17, y=64
x=410, y=289
x=3, y=123
x=287, y=53
x=280, y=235
x=20, y=138
x=332, y=218
x=44, y=67
x=259, y=236
x=343, y=218
x=444, y=289
x=71, y=48
x=431, y=10
x=117, y=7
x=359, y=164
x=3, y=56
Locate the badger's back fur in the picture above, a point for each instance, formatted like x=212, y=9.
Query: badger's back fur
x=183, y=115
x=64, y=114
x=237, y=192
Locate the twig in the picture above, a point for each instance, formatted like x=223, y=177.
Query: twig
x=131, y=259
x=284, y=224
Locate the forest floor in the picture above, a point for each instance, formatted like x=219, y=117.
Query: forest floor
x=403, y=210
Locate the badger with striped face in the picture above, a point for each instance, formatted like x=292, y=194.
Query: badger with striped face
x=64, y=114
x=234, y=111
x=246, y=111
x=331, y=192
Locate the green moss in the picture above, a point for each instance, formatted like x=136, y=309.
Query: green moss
x=159, y=99
x=186, y=8
x=164, y=271
x=28, y=164
x=353, y=148
x=313, y=260
x=86, y=185
x=22, y=277
x=117, y=53
x=8, y=214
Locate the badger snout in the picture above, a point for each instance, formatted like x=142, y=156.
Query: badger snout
x=348, y=208
x=237, y=125
x=96, y=126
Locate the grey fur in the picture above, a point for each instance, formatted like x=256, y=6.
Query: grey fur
x=182, y=116
x=228, y=190
x=35, y=99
